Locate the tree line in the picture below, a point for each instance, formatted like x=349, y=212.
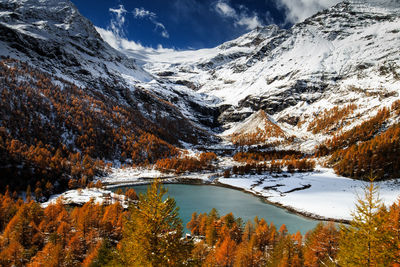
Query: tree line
x=256, y=156
x=182, y=164
x=331, y=119
x=290, y=165
x=370, y=148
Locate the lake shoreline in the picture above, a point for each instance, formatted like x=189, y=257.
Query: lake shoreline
x=192, y=181
x=307, y=215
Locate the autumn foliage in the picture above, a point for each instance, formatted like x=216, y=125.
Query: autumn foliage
x=56, y=235
x=256, y=156
x=225, y=241
x=149, y=234
x=331, y=119
x=367, y=149
x=53, y=131
x=378, y=157
x=203, y=161
x=363, y=132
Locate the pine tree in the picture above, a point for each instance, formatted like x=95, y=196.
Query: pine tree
x=363, y=242
x=153, y=235
x=247, y=254
x=101, y=255
x=28, y=193
x=211, y=234
x=13, y=255
x=193, y=225
x=51, y=256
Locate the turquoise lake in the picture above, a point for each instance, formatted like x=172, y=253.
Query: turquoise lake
x=202, y=198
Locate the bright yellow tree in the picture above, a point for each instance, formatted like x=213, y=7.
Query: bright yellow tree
x=363, y=242
x=153, y=234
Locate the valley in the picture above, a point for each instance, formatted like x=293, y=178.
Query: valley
x=305, y=193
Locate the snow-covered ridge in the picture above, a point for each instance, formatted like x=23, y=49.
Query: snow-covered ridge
x=332, y=58
x=54, y=36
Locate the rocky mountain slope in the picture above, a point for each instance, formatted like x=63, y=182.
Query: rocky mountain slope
x=70, y=104
x=342, y=55
x=54, y=37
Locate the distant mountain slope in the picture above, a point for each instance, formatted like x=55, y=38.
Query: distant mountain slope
x=345, y=54
x=53, y=36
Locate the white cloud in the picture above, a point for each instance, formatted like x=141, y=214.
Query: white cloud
x=119, y=12
x=141, y=13
x=118, y=20
x=249, y=22
x=225, y=10
x=164, y=32
x=299, y=10
x=241, y=18
x=122, y=44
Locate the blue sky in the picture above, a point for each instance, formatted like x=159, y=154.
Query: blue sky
x=193, y=24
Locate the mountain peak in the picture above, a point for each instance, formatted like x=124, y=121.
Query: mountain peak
x=47, y=16
x=53, y=35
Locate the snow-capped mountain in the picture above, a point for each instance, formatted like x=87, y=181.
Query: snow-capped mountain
x=53, y=36
x=345, y=54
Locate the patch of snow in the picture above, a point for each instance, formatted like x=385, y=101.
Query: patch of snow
x=134, y=176
x=321, y=193
x=82, y=196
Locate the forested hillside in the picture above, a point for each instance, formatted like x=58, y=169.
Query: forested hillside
x=370, y=148
x=53, y=131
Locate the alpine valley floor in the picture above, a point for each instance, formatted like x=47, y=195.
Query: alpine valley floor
x=320, y=194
